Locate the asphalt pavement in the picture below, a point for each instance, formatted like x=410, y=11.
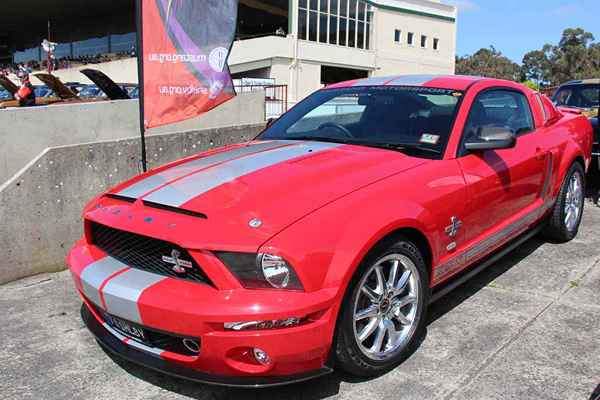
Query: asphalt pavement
x=526, y=328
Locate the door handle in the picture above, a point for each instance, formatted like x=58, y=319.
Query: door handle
x=540, y=154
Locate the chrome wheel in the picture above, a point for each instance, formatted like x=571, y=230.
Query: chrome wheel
x=385, y=308
x=573, y=202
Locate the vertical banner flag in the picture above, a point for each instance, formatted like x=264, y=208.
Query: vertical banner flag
x=185, y=47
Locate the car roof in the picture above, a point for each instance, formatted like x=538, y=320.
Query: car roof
x=582, y=82
x=451, y=82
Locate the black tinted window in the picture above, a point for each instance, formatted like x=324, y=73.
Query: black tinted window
x=580, y=96
x=501, y=109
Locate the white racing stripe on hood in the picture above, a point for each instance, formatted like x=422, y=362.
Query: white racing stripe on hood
x=153, y=182
x=184, y=190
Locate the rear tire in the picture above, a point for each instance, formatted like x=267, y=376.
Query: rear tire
x=563, y=223
x=384, y=311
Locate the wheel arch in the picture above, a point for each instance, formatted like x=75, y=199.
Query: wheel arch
x=415, y=236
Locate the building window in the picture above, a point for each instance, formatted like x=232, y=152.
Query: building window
x=338, y=22
x=423, y=41
x=397, y=35
x=410, y=37
x=436, y=44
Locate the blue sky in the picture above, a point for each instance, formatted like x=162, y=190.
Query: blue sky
x=517, y=26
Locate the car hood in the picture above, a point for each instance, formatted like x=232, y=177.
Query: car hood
x=8, y=85
x=57, y=86
x=239, y=196
x=107, y=85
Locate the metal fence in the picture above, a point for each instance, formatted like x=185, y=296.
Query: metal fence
x=276, y=98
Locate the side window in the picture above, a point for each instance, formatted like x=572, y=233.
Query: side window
x=502, y=109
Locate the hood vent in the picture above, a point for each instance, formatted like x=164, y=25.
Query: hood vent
x=121, y=198
x=174, y=209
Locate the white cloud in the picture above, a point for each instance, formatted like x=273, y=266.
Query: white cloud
x=464, y=5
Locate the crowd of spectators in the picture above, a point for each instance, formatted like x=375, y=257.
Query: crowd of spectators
x=63, y=63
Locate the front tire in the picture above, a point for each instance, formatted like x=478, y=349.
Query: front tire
x=563, y=222
x=384, y=310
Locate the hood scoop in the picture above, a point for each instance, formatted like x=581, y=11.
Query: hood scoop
x=177, y=210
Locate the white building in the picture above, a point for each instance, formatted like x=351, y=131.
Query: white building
x=335, y=40
x=303, y=44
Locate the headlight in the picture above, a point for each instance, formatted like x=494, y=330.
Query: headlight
x=260, y=271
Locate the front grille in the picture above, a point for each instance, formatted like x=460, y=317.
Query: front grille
x=154, y=338
x=145, y=253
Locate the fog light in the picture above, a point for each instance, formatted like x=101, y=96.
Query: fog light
x=261, y=356
x=192, y=345
x=259, y=325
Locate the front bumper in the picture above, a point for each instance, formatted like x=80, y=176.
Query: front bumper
x=115, y=346
x=188, y=309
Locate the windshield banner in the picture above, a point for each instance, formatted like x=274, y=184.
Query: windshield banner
x=186, y=44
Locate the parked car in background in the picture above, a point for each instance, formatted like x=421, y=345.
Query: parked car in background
x=43, y=91
x=46, y=97
x=107, y=86
x=583, y=95
x=5, y=94
x=92, y=92
x=321, y=243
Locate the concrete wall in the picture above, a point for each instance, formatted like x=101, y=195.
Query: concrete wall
x=24, y=133
x=40, y=210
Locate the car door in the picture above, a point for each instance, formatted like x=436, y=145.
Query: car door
x=501, y=184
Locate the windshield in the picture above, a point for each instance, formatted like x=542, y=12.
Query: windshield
x=411, y=119
x=579, y=96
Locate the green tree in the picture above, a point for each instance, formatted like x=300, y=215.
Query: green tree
x=536, y=66
x=571, y=58
x=489, y=63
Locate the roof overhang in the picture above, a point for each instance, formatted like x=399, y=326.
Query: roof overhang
x=424, y=8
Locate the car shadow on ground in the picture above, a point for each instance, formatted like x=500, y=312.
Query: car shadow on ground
x=329, y=385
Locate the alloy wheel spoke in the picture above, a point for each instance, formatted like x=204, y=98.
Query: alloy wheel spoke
x=402, y=282
x=403, y=319
x=393, y=274
x=403, y=302
x=378, y=342
x=380, y=281
x=371, y=294
x=368, y=329
x=391, y=332
x=368, y=312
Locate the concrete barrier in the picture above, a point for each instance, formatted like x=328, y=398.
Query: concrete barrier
x=40, y=212
x=25, y=132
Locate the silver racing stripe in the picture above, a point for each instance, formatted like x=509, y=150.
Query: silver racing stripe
x=93, y=276
x=185, y=189
x=122, y=293
x=153, y=182
x=484, y=246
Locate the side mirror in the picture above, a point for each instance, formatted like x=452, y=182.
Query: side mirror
x=270, y=122
x=492, y=138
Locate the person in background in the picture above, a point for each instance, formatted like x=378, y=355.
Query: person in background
x=26, y=93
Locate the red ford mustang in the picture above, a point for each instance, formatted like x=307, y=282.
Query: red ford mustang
x=322, y=242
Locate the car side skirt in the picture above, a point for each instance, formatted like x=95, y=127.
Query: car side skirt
x=443, y=289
